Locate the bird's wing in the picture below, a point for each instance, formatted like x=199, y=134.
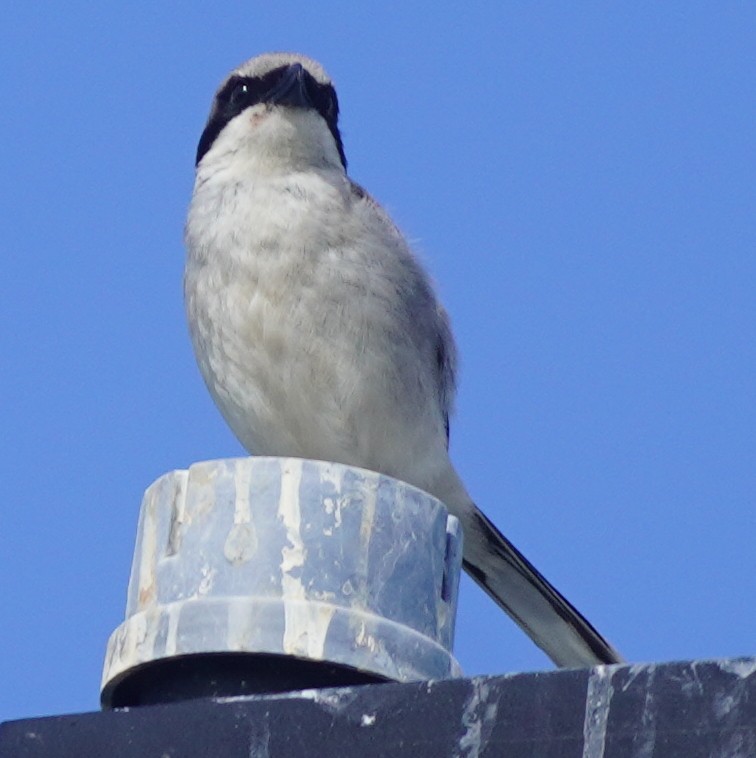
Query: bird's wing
x=442, y=350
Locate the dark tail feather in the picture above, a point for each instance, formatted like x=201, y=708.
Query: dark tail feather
x=557, y=627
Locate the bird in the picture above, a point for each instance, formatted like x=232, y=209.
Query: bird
x=318, y=331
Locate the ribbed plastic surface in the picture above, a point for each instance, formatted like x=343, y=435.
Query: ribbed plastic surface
x=314, y=560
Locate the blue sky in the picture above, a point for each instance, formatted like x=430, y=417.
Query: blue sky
x=579, y=178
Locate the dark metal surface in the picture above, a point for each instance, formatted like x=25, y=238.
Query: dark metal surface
x=687, y=709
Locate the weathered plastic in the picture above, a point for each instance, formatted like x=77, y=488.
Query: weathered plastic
x=284, y=556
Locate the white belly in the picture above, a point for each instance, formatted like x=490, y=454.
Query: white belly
x=301, y=342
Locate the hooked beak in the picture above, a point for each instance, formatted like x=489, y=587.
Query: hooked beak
x=291, y=89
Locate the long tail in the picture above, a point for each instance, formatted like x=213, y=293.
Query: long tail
x=541, y=611
x=548, y=618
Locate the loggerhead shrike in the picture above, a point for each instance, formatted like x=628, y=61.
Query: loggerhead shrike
x=318, y=332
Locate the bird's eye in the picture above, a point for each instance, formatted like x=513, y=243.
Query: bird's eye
x=238, y=93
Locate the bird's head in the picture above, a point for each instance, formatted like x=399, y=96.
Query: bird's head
x=278, y=109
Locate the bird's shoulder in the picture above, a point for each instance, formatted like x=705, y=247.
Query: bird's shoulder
x=365, y=202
